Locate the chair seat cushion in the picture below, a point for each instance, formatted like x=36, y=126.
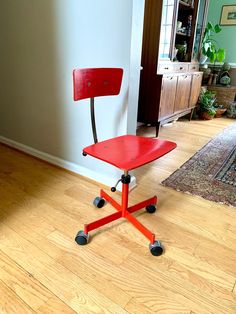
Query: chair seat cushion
x=128, y=152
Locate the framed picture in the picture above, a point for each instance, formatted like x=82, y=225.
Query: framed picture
x=228, y=15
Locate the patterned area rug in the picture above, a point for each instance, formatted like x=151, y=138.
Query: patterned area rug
x=211, y=172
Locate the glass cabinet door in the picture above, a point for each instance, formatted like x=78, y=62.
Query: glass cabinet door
x=167, y=27
x=201, y=22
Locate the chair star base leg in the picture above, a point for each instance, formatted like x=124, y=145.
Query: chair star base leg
x=148, y=234
x=150, y=201
x=124, y=211
x=101, y=222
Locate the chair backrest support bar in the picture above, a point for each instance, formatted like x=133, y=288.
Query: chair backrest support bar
x=93, y=122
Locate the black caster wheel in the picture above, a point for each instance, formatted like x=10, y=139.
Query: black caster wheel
x=99, y=202
x=156, y=248
x=81, y=238
x=151, y=209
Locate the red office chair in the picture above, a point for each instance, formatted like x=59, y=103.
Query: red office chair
x=125, y=152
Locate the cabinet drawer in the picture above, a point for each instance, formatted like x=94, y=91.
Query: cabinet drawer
x=181, y=67
x=165, y=68
x=193, y=67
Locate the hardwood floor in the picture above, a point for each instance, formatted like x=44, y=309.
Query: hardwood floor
x=44, y=271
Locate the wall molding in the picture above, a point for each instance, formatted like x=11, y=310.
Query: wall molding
x=65, y=164
x=233, y=65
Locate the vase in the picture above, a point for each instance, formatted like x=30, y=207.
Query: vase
x=219, y=112
x=204, y=115
x=214, y=81
x=202, y=59
x=231, y=111
x=226, y=67
x=210, y=78
x=225, y=78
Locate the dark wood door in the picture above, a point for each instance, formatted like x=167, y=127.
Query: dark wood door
x=167, y=102
x=183, y=92
x=195, y=89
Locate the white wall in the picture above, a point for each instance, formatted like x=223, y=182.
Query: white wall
x=41, y=43
x=135, y=63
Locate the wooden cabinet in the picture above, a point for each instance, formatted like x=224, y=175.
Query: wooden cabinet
x=179, y=94
x=169, y=84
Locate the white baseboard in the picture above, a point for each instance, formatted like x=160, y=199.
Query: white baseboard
x=83, y=171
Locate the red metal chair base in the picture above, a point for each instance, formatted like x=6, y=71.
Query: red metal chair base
x=123, y=211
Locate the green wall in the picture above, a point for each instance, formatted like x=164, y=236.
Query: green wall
x=226, y=38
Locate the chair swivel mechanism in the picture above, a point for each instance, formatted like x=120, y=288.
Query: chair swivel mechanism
x=125, y=152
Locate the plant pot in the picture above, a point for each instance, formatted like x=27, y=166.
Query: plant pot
x=219, y=112
x=204, y=115
x=203, y=59
x=225, y=78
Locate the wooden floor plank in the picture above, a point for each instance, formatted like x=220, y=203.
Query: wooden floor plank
x=53, y=305
x=28, y=289
x=22, y=283
x=154, y=281
x=83, y=298
x=11, y=303
x=234, y=288
x=42, y=269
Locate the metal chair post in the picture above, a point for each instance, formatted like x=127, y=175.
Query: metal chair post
x=93, y=121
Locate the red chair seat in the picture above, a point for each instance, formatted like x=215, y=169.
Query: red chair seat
x=128, y=152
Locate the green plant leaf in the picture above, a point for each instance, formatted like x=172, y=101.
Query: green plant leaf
x=211, y=53
x=217, y=28
x=209, y=46
x=209, y=26
x=221, y=55
x=205, y=47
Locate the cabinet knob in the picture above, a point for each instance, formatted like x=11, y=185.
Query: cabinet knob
x=181, y=68
x=166, y=68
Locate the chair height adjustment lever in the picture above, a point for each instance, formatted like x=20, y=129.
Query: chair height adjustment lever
x=113, y=189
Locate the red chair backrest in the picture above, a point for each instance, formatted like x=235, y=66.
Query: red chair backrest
x=90, y=83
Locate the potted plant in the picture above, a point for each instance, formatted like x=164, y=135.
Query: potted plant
x=220, y=110
x=210, y=48
x=207, y=110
